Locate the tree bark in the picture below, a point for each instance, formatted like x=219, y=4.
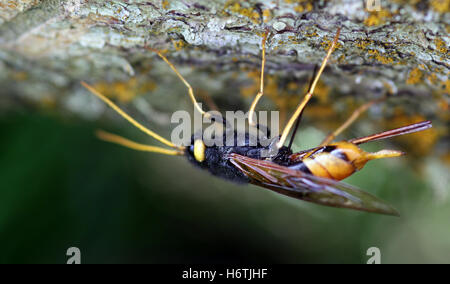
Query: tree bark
x=48, y=47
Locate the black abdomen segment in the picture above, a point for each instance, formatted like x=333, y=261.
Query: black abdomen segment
x=300, y=166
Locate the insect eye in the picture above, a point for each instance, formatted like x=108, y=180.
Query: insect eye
x=199, y=150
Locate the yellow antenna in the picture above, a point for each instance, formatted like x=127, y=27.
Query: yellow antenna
x=109, y=137
x=261, y=86
x=308, y=95
x=129, y=118
x=186, y=83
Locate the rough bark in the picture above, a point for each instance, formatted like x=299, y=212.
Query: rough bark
x=47, y=47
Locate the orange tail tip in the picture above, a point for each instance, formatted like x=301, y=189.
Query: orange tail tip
x=364, y=158
x=384, y=154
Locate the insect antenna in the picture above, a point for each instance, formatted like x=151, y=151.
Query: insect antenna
x=308, y=95
x=185, y=82
x=130, y=119
x=113, y=138
x=299, y=118
x=394, y=132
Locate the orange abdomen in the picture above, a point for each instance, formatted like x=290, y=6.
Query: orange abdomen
x=335, y=161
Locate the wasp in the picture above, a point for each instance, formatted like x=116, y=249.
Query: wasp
x=312, y=175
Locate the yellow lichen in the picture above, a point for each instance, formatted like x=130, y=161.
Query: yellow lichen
x=375, y=54
x=377, y=18
x=260, y=33
x=443, y=105
x=301, y=5
x=440, y=45
x=164, y=51
x=432, y=78
x=409, y=2
x=124, y=91
x=415, y=76
x=255, y=16
x=267, y=15
x=384, y=59
x=309, y=7
x=447, y=86
x=165, y=4
x=299, y=8
x=363, y=43
x=249, y=12
x=326, y=43
x=179, y=44
x=320, y=111
x=174, y=29
x=310, y=33
x=441, y=6
x=342, y=59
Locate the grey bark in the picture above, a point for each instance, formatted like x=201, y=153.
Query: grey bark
x=47, y=47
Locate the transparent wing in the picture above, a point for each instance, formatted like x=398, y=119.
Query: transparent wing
x=307, y=187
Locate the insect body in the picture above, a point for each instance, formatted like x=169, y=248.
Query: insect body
x=337, y=160
x=333, y=161
x=311, y=175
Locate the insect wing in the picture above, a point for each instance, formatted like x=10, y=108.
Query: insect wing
x=307, y=187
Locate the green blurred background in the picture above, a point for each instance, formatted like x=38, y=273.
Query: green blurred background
x=61, y=187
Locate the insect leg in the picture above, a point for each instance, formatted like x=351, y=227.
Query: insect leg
x=129, y=118
x=261, y=82
x=109, y=137
x=349, y=121
x=308, y=95
x=186, y=83
x=297, y=122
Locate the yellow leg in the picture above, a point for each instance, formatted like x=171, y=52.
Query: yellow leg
x=308, y=95
x=349, y=121
x=129, y=118
x=261, y=83
x=133, y=145
x=190, y=90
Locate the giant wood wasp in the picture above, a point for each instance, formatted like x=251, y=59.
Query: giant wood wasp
x=312, y=175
